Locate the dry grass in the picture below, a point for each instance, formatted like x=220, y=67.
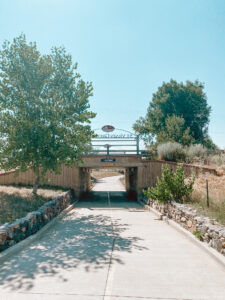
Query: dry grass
x=16, y=202
x=98, y=174
x=216, y=196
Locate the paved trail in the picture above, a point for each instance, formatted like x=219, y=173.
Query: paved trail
x=108, y=248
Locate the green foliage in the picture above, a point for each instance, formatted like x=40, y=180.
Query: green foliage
x=161, y=192
x=177, y=105
x=175, y=131
x=141, y=126
x=45, y=117
x=171, y=186
x=198, y=235
x=172, y=152
x=180, y=190
x=208, y=143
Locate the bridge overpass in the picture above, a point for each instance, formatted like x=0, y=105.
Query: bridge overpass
x=139, y=173
x=132, y=165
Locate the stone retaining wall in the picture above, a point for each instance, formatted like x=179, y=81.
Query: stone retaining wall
x=202, y=227
x=14, y=232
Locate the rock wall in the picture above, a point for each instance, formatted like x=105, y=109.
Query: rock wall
x=202, y=227
x=14, y=232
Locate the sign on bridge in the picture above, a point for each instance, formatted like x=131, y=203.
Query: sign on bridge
x=108, y=160
x=114, y=141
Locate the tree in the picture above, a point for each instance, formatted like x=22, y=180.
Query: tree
x=175, y=131
x=171, y=187
x=45, y=117
x=177, y=103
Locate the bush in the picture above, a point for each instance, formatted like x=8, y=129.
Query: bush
x=198, y=151
x=218, y=159
x=171, y=186
x=172, y=152
x=151, y=153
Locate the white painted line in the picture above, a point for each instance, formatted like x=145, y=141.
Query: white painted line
x=111, y=270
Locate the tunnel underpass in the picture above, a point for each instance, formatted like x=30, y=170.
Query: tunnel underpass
x=123, y=183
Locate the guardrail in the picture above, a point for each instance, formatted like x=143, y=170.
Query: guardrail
x=116, y=152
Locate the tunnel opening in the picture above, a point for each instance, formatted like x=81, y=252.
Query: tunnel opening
x=120, y=182
x=108, y=179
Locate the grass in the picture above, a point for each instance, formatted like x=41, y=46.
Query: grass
x=198, y=235
x=16, y=202
x=216, y=208
x=215, y=212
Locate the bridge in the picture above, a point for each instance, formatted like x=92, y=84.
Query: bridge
x=107, y=246
x=139, y=173
x=111, y=148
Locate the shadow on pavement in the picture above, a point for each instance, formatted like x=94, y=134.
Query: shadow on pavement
x=82, y=239
x=100, y=199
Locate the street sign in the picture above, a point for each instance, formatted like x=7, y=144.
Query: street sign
x=109, y=160
x=108, y=128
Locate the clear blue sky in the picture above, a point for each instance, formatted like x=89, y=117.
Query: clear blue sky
x=127, y=48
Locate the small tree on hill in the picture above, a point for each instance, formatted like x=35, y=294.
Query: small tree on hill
x=45, y=116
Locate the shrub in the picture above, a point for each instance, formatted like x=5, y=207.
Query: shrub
x=171, y=186
x=172, y=152
x=218, y=159
x=196, y=151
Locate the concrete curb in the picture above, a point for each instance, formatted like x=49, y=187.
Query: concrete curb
x=24, y=243
x=212, y=252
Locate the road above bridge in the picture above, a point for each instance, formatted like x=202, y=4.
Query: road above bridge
x=108, y=248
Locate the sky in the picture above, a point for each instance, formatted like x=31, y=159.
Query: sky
x=128, y=48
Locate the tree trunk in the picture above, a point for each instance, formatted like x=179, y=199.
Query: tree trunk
x=36, y=184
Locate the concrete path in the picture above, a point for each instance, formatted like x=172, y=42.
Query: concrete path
x=109, y=184
x=111, y=249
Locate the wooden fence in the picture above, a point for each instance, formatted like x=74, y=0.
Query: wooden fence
x=67, y=178
x=152, y=170
x=77, y=178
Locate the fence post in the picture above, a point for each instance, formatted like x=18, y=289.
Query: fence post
x=207, y=188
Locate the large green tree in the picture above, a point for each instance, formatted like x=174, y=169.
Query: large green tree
x=177, y=112
x=44, y=109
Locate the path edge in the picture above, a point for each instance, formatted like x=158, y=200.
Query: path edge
x=212, y=252
x=26, y=242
